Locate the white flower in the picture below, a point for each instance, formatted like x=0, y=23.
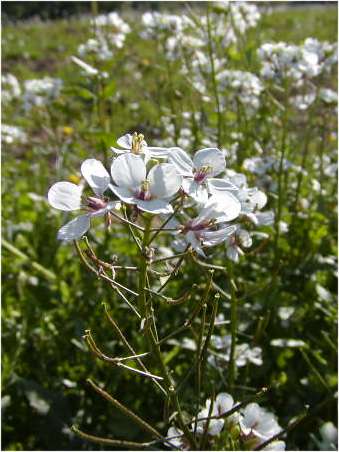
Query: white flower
x=150, y=194
x=218, y=209
x=137, y=145
x=328, y=96
x=223, y=403
x=12, y=134
x=329, y=435
x=199, y=173
x=240, y=238
x=10, y=87
x=67, y=196
x=244, y=354
x=178, y=439
x=39, y=92
x=275, y=445
x=257, y=424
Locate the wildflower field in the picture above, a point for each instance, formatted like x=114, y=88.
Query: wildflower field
x=169, y=227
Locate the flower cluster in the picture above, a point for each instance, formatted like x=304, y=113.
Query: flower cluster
x=10, y=88
x=110, y=34
x=245, y=86
x=12, y=134
x=282, y=61
x=251, y=426
x=40, y=92
x=244, y=353
x=210, y=204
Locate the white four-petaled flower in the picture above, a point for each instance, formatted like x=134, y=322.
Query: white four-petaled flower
x=67, y=196
x=149, y=192
x=200, y=231
x=199, y=173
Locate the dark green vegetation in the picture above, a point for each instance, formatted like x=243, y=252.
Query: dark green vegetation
x=49, y=298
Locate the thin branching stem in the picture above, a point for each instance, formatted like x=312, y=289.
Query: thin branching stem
x=130, y=414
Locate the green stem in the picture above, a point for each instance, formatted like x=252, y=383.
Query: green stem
x=142, y=301
x=39, y=268
x=234, y=326
x=135, y=418
x=143, y=307
x=214, y=80
x=280, y=189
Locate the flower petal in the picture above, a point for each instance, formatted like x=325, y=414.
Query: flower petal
x=233, y=254
x=196, y=191
x=258, y=199
x=211, y=157
x=158, y=152
x=65, y=196
x=118, y=151
x=217, y=185
x=195, y=243
x=227, y=206
x=181, y=160
x=154, y=206
x=215, y=426
x=123, y=193
x=75, y=228
x=101, y=212
x=164, y=180
x=128, y=171
x=212, y=238
x=125, y=141
x=96, y=175
x=224, y=402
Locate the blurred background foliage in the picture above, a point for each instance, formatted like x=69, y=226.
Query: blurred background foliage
x=49, y=299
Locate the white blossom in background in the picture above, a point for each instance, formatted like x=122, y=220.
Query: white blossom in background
x=244, y=353
x=113, y=21
x=252, y=425
x=97, y=46
x=245, y=86
x=40, y=92
x=185, y=137
x=328, y=96
x=149, y=192
x=222, y=404
x=68, y=197
x=303, y=101
x=110, y=32
x=10, y=88
x=156, y=24
x=258, y=425
x=281, y=61
x=241, y=238
x=245, y=15
x=329, y=437
x=176, y=438
x=13, y=134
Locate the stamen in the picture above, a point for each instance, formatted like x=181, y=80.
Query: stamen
x=137, y=140
x=144, y=191
x=201, y=173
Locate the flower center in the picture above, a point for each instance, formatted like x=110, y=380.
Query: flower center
x=137, y=143
x=201, y=173
x=94, y=204
x=144, y=191
x=197, y=227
